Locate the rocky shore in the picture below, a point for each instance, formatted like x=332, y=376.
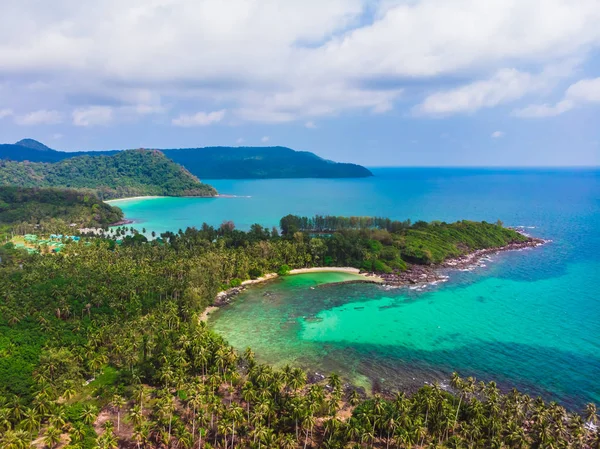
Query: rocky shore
x=428, y=274
x=415, y=275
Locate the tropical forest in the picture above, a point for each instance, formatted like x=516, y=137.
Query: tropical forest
x=103, y=345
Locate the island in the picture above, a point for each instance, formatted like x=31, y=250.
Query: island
x=213, y=162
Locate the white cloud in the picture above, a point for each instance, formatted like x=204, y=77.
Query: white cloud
x=93, y=116
x=586, y=91
x=505, y=86
x=497, y=134
x=265, y=139
x=268, y=61
x=313, y=101
x=41, y=117
x=5, y=113
x=199, y=119
x=544, y=110
x=240, y=140
x=310, y=125
x=57, y=136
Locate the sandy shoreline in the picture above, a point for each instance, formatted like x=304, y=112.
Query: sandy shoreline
x=151, y=197
x=418, y=275
x=134, y=198
x=224, y=296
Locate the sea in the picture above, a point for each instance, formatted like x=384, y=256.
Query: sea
x=528, y=319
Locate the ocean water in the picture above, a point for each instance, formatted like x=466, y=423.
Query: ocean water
x=529, y=319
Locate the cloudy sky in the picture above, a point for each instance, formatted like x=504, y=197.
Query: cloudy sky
x=381, y=82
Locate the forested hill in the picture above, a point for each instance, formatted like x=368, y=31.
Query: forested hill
x=214, y=162
x=35, y=206
x=127, y=173
x=261, y=162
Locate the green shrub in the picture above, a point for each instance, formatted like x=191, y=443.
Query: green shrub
x=284, y=270
x=397, y=264
x=381, y=267
x=235, y=282
x=255, y=273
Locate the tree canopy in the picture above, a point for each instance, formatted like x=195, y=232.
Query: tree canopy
x=114, y=328
x=127, y=173
x=35, y=206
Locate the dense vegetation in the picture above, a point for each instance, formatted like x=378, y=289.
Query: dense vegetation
x=380, y=244
x=127, y=173
x=41, y=209
x=215, y=162
x=125, y=318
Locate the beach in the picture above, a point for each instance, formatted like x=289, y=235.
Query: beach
x=133, y=198
x=225, y=296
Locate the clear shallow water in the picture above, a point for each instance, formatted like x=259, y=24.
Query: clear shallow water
x=529, y=318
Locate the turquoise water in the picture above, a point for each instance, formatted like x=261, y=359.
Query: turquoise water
x=529, y=318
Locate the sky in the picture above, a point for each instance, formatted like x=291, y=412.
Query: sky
x=380, y=83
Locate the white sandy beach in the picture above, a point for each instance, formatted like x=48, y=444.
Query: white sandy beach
x=134, y=198
x=205, y=314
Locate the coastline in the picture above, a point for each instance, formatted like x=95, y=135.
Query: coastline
x=415, y=276
x=133, y=198
x=225, y=296
x=151, y=197
x=420, y=275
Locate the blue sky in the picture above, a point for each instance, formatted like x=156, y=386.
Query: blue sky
x=388, y=82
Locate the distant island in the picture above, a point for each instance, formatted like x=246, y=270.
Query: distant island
x=124, y=174
x=214, y=162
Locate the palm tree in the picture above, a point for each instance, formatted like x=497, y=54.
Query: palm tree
x=15, y=439
x=140, y=435
x=69, y=391
x=457, y=383
x=88, y=413
x=136, y=416
x=5, y=419
x=118, y=402
x=236, y=413
x=51, y=437
x=31, y=420
x=165, y=410
x=353, y=398
x=591, y=415
x=287, y=441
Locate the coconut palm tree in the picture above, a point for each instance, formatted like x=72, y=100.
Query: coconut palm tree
x=118, y=402
x=88, y=413
x=51, y=437
x=591, y=413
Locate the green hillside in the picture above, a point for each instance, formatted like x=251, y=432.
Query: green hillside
x=127, y=173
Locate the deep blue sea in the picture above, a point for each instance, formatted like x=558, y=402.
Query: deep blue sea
x=529, y=318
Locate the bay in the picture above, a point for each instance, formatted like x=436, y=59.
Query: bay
x=529, y=319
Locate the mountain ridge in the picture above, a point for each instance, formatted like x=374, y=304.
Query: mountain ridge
x=217, y=162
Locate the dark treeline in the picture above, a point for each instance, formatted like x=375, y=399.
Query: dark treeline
x=125, y=318
x=332, y=223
